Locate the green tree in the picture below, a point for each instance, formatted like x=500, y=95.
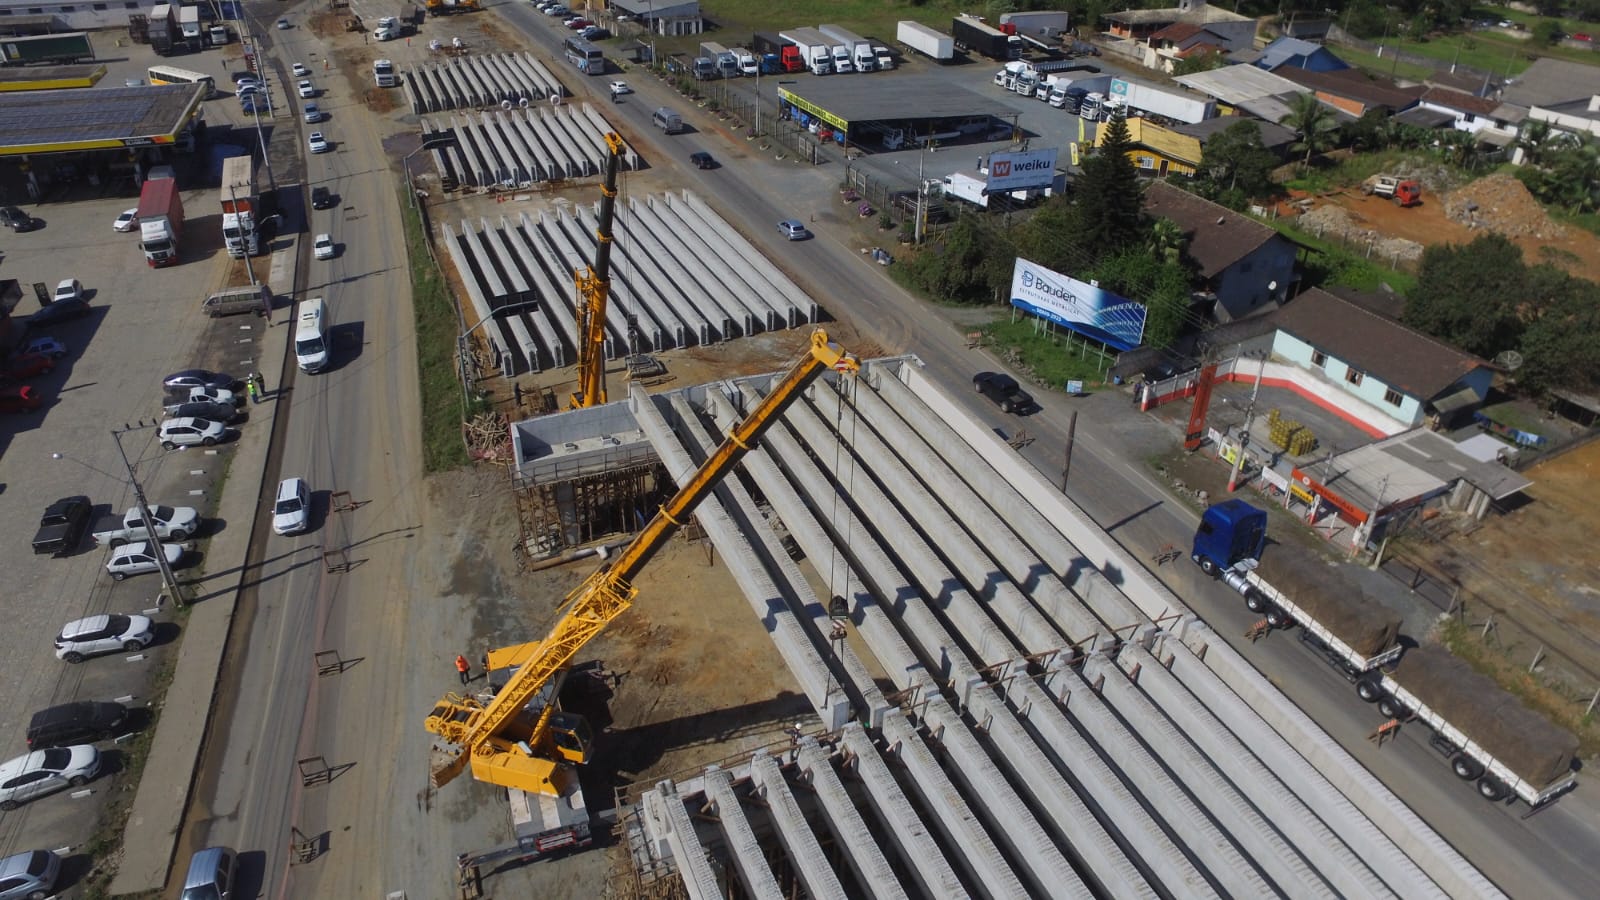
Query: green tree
x=1235, y=160
x=1167, y=241
x=1533, y=140
x=1048, y=237
x=1108, y=193
x=1573, y=180
x=1198, y=62
x=1313, y=124
x=1465, y=294
x=1547, y=32
x=1561, y=346
x=969, y=263
x=1162, y=286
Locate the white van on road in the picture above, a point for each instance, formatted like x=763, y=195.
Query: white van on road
x=311, y=349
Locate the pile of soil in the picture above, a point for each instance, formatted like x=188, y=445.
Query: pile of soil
x=1528, y=743
x=1336, y=222
x=1502, y=204
x=1358, y=621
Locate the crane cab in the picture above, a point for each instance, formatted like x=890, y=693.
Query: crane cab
x=570, y=735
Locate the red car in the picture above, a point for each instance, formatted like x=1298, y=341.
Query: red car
x=19, y=399
x=575, y=24
x=26, y=366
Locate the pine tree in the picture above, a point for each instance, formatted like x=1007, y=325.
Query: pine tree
x=1109, y=195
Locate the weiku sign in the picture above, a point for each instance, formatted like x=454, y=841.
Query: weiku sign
x=1106, y=317
x=1021, y=171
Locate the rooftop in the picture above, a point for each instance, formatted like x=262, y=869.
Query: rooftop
x=1407, y=360
x=1551, y=81
x=95, y=118
x=1272, y=136
x=1202, y=16
x=1236, y=84
x=1458, y=100
x=1357, y=85
x=1218, y=236
x=1283, y=49
x=865, y=99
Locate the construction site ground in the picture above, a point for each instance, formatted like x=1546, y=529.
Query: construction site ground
x=1504, y=205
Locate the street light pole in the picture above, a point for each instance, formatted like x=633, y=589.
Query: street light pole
x=463, y=355
x=244, y=239
x=170, y=580
x=1244, y=433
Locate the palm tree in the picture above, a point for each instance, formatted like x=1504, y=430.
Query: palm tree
x=1167, y=240
x=1311, y=121
x=1531, y=140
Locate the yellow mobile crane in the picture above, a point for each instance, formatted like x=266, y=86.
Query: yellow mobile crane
x=519, y=740
x=594, y=287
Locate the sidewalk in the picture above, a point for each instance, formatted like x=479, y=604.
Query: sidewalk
x=150, y=839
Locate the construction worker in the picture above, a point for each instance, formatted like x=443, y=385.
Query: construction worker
x=1385, y=731
x=1258, y=630
x=463, y=667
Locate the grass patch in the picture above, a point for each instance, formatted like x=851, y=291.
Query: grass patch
x=1048, y=355
x=1386, y=65
x=1328, y=264
x=1541, y=696
x=1513, y=416
x=437, y=330
x=1589, y=222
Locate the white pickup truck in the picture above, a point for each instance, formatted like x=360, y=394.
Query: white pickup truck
x=172, y=524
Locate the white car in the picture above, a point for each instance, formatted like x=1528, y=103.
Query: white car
x=307, y=89
x=291, y=514
x=128, y=221
x=283, y=24
x=620, y=87
x=138, y=558
x=300, y=70
x=318, y=143
x=203, y=394
x=314, y=114
x=323, y=247
x=176, y=433
x=83, y=638
x=68, y=289
x=45, y=772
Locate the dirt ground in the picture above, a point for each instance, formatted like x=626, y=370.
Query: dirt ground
x=1573, y=249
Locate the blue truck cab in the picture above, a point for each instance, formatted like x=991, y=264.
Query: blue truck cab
x=1229, y=532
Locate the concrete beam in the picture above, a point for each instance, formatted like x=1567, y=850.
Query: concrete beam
x=861, y=852
x=673, y=826
x=749, y=859
x=811, y=865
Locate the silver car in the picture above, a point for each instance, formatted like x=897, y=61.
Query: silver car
x=83, y=638
x=45, y=772
x=176, y=433
x=139, y=558
x=29, y=876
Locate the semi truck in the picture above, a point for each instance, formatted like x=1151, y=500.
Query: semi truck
x=1188, y=108
x=383, y=74
x=240, y=207
x=162, y=29
x=189, y=26
x=859, y=48
x=1486, y=735
x=160, y=221
x=788, y=54
x=48, y=49
x=815, y=49
x=1045, y=26
x=885, y=59
x=930, y=43
x=973, y=35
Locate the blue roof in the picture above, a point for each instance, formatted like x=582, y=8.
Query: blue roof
x=1287, y=49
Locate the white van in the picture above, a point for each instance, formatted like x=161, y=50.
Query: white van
x=311, y=336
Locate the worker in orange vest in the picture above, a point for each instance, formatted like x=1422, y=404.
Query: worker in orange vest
x=463, y=667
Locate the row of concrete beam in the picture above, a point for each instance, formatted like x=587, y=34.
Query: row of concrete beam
x=519, y=148
x=680, y=276
x=505, y=80
x=1053, y=733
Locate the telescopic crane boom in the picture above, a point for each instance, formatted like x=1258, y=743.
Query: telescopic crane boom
x=594, y=288
x=506, y=744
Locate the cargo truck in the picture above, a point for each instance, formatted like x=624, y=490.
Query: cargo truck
x=884, y=57
x=1044, y=26
x=859, y=48
x=788, y=54
x=973, y=35
x=930, y=43
x=48, y=49
x=815, y=49
x=160, y=221
x=1486, y=735
x=162, y=29
x=1188, y=108
x=189, y=25
x=721, y=60
x=704, y=69
x=747, y=62
x=239, y=207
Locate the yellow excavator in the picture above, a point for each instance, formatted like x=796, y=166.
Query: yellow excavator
x=519, y=739
x=594, y=288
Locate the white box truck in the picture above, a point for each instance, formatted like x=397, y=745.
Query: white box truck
x=861, y=54
x=814, y=49
x=1188, y=108
x=748, y=66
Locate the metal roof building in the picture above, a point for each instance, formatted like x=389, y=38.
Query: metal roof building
x=95, y=119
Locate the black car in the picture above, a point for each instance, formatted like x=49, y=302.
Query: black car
x=702, y=161
x=203, y=409
x=61, y=311
x=1004, y=391
x=322, y=198
x=199, y=378
x=62, y=525
x=15, y=219
x=81, y=722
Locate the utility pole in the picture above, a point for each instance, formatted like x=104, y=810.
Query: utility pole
x=1066, y=462
x=244, y=239
x=173, y=589
x=1244, y=433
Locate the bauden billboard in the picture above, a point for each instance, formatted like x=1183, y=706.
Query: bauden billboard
x=1111, y=319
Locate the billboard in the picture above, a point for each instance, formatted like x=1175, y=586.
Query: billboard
x=1021, y=171
x=1115, y=321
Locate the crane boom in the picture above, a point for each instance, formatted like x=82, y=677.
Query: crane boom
x=495, y=739
x=594, y=288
